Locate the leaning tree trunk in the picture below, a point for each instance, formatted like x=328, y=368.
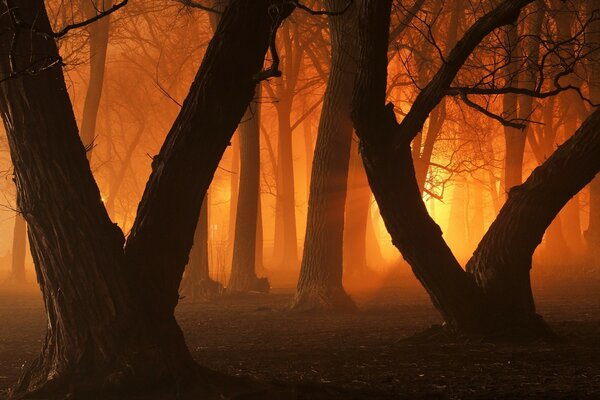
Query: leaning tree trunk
x=197, y=282
x=320, y=282
x=385, y=147
x=19, y=249
x=98, y=47
x=502, y=260
x=243, y=269
x=96, y=334
x=110, y=313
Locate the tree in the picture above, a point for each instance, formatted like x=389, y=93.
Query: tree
x=197, y=282
x=320, y=281
x=495, y=293
x=243, y=269
x=99, y=32
x=109, y=303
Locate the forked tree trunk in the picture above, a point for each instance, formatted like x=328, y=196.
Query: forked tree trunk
x=388, y=162
x=320, y=282
x=243, y=269
x=496, y=293
x=98, y=43
x=197, y=282
x=19, y=248
x=110, y=313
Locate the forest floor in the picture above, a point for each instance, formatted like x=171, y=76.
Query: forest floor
x=366, y=355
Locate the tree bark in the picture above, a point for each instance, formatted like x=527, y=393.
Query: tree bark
x=243, y=270
x=502, y=260
x=320, y=282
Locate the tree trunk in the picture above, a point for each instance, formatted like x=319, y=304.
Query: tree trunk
x=387, y=157
x=320, y=282
x=502, y=260
x=356, y=218
x=286, y=238
x=110, y=313
x=243, y=270
x=98, y=47
x=197, y=282
x=234, y=192
x=19, y=250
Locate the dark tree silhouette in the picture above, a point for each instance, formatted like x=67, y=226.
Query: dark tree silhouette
x=110, y=304
x=495, y=293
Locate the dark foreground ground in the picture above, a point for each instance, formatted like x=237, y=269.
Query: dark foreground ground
x=366, y=355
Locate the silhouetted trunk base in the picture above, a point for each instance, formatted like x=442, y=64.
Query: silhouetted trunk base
x=319, y=299
x=249, y=284
x=502, y=330
x=203, y=289
x=130, y=375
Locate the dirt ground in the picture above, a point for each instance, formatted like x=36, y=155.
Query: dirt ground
x=368, y=354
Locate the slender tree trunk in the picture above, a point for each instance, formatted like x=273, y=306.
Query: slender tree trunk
x=110, y=313
x=197, y=282
x=320, y=282
x=19, y=250
x=514, y=138
x=243, y=270
x=286, y=238
x=234, y=192
x=356, y=218
x=98, y=47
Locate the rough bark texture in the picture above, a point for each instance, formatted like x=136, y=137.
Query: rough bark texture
x=110, y=312
x=502, y=261
x=385, y=147
x=197, y=282
x=320, y=282
x=243, y=269
x=98, y=47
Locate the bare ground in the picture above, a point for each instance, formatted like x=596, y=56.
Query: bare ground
x=367, y=355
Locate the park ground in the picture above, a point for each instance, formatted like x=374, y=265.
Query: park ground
x=371, y=354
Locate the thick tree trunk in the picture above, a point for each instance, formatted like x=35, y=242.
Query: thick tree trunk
x=197, y=282
x=243, y=270
x=96, y=335
x=19, y=249
x=502, y=261
x=110, y=313
x=98, y=47
x=320, y=282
